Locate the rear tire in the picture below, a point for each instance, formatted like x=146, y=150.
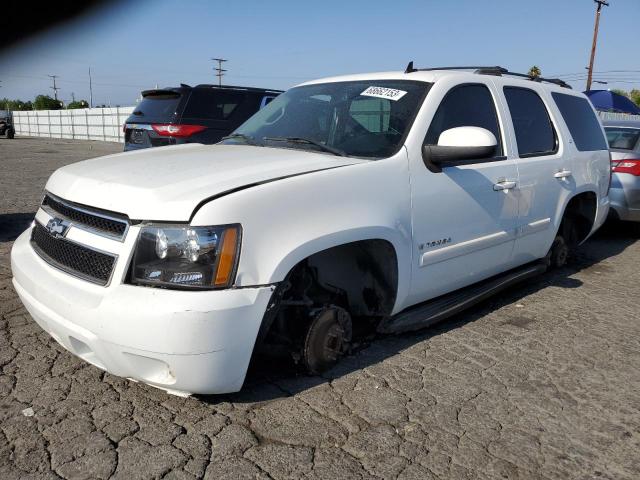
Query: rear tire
x=327, y=339
x=11, y=133
x=559, y=253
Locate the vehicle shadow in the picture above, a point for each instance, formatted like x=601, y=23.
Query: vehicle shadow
x=270, y=379
x=13, y=224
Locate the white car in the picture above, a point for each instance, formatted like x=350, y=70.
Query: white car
x=383, y=201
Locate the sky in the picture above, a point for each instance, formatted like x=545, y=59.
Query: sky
x=280, y=43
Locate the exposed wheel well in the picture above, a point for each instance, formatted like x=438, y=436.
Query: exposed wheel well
x=361, y=277
x=579, y=217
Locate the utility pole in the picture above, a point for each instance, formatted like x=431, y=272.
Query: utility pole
x=7, y=104
x=600, y=3
x=54, y=88
x=219, y=70
x=90, y=90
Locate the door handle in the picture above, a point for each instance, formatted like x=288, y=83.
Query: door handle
x=564, y=173
x=504, y=185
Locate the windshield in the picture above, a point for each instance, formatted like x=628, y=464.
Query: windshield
x=363, y=119
x=622, y=138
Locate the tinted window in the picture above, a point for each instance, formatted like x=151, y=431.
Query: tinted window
x=162, y=105
x=465, y=106
x=581, y=121
x=622, y=138
x=534, y=132
x=212, y=104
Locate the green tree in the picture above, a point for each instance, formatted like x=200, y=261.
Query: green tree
x=619, y=92
x=45, y=102
x=535, y=71
x=6, y=104
x=634, y=95
x=78, y=104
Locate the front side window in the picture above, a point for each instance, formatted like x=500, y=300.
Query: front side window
x=622, y=138
x=581, y=121
x=465, y=106
x=367, y=119
x=535, y=134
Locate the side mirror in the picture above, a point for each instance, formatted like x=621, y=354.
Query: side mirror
x=459, y=144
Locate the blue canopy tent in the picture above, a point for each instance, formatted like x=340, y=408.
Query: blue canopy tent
x=607, y=101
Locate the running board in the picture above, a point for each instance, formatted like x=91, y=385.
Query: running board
x=434, y=311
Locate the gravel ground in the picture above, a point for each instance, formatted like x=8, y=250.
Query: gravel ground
x=540, y=382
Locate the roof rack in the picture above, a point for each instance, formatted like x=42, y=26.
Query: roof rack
x=490, y=70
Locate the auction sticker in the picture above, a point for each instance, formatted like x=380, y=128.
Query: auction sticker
x=383, y=92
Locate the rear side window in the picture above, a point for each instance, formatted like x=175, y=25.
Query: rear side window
x=266, y=101
x=465, y=106
x=581, y=121
x=534, y=132
x=212, y=104
x=622, y=138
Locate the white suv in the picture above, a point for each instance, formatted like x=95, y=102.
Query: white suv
x=383, y=201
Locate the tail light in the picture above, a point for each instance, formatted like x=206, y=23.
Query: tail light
x=628, y=165
x=181, y=131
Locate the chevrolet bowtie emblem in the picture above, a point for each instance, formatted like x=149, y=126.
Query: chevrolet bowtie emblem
x=57, y=227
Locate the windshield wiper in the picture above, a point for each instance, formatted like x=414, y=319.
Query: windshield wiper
x=326, y=148
x=247, y=138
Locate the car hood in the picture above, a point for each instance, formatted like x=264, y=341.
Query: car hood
x=168, y=183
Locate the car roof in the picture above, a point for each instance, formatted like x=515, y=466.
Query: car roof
x=622, y=123
x=185, y=88
x=235, y=87
x=432, y=76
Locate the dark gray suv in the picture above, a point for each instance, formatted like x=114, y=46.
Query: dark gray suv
x=200, y=114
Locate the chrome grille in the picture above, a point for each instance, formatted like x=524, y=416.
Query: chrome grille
x=73, y=258
x=108, y=224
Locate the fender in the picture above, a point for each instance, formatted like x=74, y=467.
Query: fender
x=363, y=201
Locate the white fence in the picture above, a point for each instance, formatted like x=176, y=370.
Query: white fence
x=82, y=124
x=106, y=123
x=617, y=116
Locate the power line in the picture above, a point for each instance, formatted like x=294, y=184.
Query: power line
x=219, y=70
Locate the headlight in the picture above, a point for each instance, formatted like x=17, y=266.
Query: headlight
x=176, y=256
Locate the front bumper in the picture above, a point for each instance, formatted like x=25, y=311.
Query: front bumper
x=183, y=341
x=625, y=196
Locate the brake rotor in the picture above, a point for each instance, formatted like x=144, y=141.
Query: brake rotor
x=327, y=339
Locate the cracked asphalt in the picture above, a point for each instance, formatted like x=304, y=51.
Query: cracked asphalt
x=542, y=382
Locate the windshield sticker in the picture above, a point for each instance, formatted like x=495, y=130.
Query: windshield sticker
x=383, y=92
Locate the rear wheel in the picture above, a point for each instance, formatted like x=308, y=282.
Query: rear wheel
x=327, y=339
x=11, y=133
x=559, y=253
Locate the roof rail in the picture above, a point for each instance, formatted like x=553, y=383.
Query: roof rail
x=490, y=70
